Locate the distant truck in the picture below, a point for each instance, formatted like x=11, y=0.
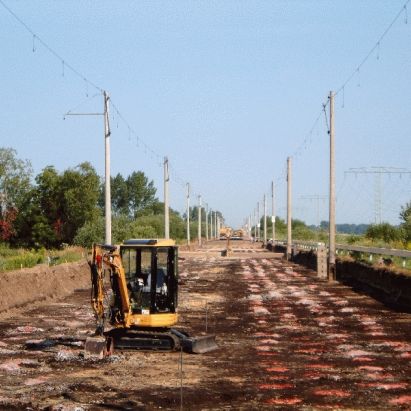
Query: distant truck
x=228, y=232
x=237, y=234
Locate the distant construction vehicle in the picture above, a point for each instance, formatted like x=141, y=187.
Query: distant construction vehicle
x=237, y=234
x=225, y=232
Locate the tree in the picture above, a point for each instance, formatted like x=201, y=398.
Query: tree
x=119, y=195
x=385, y=231
x=7, y=223
x=15, y=175
x=156, y=208
x=49, y=199
x=79, y=196
x=141, y=192
x=91, y=232
x=130, y=196
x=58, y=206
x=405, y=216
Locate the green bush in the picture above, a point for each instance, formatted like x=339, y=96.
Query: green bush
x=353, y=239
x=89, y=233
x=385, y=232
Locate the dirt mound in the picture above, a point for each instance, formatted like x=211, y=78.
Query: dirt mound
x=39, y=283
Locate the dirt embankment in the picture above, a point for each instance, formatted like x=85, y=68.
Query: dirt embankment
x=39, y=283
x=391, y=287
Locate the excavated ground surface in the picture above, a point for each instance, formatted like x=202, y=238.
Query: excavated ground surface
x=287, y=341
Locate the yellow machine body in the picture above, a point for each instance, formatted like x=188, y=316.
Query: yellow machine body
x=143, y=279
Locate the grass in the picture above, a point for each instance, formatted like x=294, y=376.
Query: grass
x=15, y=259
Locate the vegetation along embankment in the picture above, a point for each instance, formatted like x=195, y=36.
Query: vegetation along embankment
x=57, y=209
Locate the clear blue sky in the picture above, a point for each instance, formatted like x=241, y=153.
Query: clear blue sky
x=226, y=89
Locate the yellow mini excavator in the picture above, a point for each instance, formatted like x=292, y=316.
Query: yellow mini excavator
x=142, y=300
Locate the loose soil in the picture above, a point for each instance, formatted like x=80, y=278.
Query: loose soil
x=31, y=285
x=287, y=341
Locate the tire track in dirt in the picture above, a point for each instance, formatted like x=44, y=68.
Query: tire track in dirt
x=320, y=347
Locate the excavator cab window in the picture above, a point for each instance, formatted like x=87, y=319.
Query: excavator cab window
x=162, y=294
x=151, y=281
x=144, y=265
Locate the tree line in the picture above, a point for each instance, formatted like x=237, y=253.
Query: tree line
x=67, y=207
x=383, y=234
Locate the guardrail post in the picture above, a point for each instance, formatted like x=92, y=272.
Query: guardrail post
x=322, y=269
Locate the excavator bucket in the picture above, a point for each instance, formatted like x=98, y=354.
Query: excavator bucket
x=200, y=345
x=98, y=347
x=196, y=345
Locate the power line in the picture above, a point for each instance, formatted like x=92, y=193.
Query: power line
x=173, y=173
x=351, y=76
x=66, y=65
x=375, y=47
x=378, y=172
x=36, y=37
x=317, y=198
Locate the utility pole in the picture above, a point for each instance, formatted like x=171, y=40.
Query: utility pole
x=188, y=213
x=258, y=221
x=331, y=255
x=107, y=177
x=289, y=186
x=211, y=223
x=166, y=201
x=206, y=221
x=107, y=190
x=273, y=211
x=255, y=224
x=250, y=227
x=265, y=220
x=215, y=225
x=199, y=220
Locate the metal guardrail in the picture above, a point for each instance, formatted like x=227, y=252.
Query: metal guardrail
x=392, y=252
x=305, y=245
x=374, y=250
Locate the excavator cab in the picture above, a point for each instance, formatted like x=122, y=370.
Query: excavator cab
x=150, y=271
x=143, y=299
